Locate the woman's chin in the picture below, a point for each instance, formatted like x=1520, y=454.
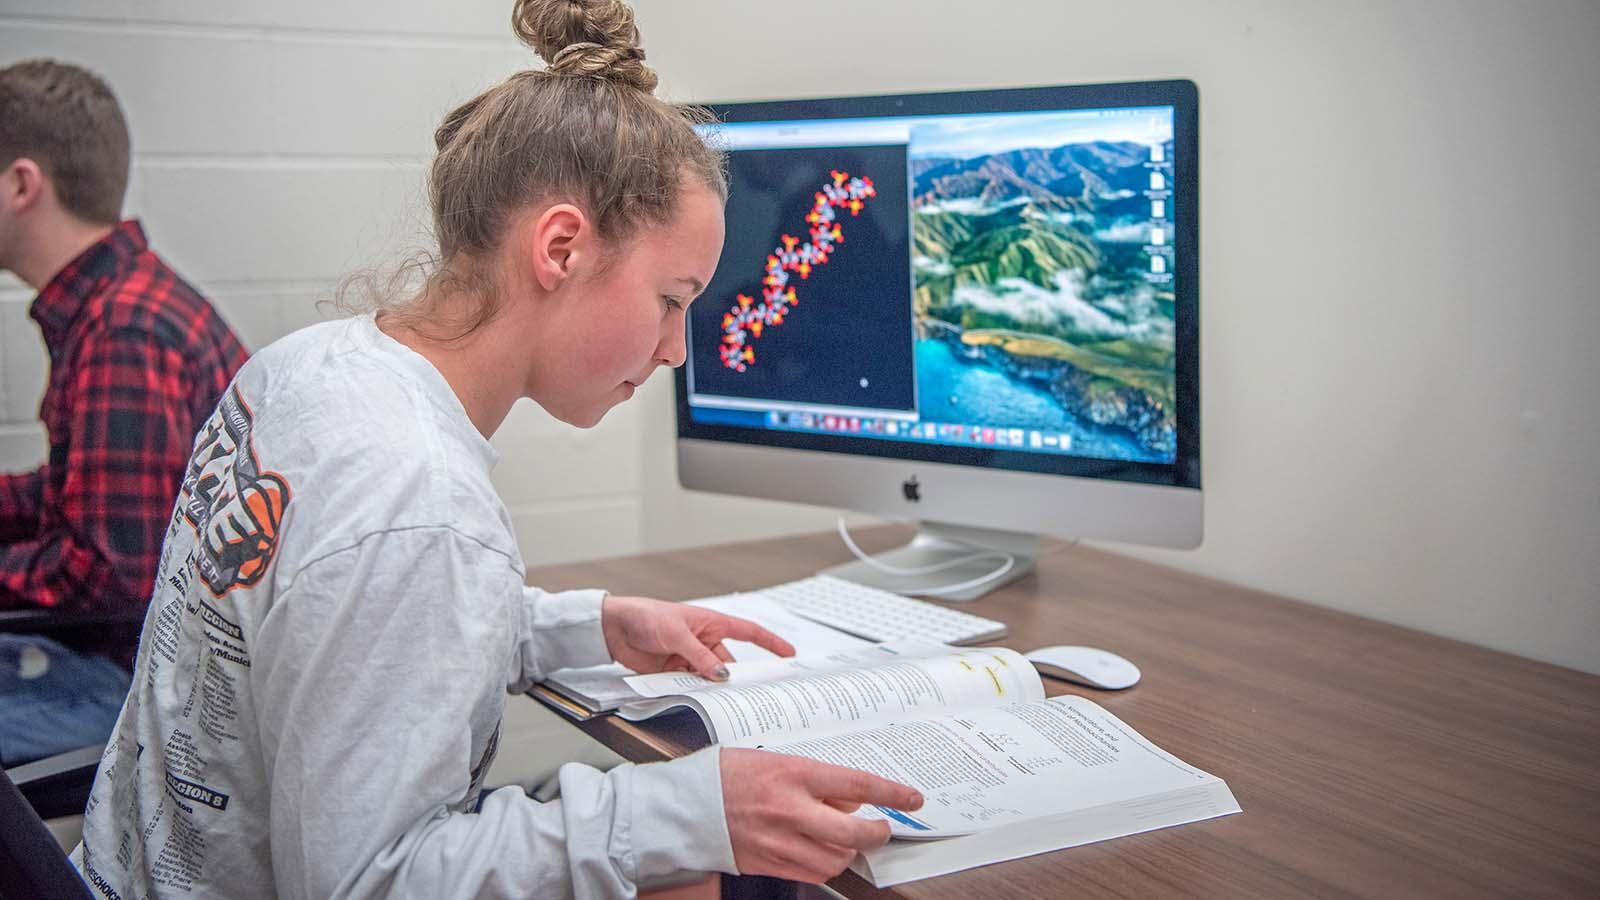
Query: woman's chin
x=591, y=418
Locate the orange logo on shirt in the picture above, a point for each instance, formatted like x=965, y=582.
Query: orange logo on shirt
x=234, y=507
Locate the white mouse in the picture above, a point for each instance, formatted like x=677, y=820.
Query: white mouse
x=1085, y=665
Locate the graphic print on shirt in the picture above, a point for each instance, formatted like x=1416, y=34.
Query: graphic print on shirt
x=174, y=800
x=233, y=506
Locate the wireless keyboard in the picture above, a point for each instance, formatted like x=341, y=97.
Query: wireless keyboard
x=879, y=615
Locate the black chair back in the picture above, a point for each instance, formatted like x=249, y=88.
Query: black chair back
x=32, y=866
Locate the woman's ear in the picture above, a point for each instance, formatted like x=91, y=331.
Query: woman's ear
x=559, y=240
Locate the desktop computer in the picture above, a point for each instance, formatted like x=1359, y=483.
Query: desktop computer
x=979, y=310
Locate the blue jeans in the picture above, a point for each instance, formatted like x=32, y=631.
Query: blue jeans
x=53, y=700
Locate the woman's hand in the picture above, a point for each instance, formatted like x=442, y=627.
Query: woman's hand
x=655, y=636
x=789, y=817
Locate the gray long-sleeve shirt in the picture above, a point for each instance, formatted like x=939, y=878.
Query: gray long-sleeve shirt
x=338, y=618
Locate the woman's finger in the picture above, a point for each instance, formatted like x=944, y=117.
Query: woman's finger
x=829, y=826
x=698, y=655
x=746, y=630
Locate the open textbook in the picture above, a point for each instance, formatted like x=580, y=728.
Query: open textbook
x=1005, y=771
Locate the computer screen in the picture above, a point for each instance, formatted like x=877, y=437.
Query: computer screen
x=999, y=280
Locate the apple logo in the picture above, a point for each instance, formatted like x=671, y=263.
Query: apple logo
x=912, y=490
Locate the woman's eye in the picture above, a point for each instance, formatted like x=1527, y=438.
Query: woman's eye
x=673, y=303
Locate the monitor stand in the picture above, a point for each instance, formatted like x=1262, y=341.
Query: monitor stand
x=937, y=543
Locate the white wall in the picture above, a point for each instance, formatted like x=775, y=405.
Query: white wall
x=1398, y=210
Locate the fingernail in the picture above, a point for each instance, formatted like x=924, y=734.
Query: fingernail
x=916, y=799
x=720, y=673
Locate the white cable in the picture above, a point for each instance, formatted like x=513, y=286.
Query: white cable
x=1006, y=566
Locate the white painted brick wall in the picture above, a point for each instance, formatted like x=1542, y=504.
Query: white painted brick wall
x=22, y=374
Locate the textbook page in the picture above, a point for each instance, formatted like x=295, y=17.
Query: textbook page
x=849, y=694
x=602, y=688
x=773, y=668
x=1006, y=782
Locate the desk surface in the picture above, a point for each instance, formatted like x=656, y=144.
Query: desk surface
x=1370, y=760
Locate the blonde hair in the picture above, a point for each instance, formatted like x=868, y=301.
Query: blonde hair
x=586, y=129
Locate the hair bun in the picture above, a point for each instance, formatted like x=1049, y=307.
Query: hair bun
x=595, y=38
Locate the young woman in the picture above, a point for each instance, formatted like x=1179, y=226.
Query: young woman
x=340, y=609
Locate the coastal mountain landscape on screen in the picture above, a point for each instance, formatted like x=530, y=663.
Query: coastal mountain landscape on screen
x=1033, y=266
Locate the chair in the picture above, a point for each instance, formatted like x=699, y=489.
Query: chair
x=32, y=866
x=59, y=785
x=110, y=632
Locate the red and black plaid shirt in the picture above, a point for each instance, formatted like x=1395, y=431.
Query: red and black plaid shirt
x=138, y=359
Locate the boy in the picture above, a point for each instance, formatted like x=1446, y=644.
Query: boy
x=138, y=359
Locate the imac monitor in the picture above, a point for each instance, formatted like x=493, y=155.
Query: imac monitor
x=975, y=309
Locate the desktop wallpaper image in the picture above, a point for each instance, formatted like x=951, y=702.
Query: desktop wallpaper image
x=1034, y=301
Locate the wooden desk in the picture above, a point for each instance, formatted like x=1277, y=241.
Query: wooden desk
x=1371, y=760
